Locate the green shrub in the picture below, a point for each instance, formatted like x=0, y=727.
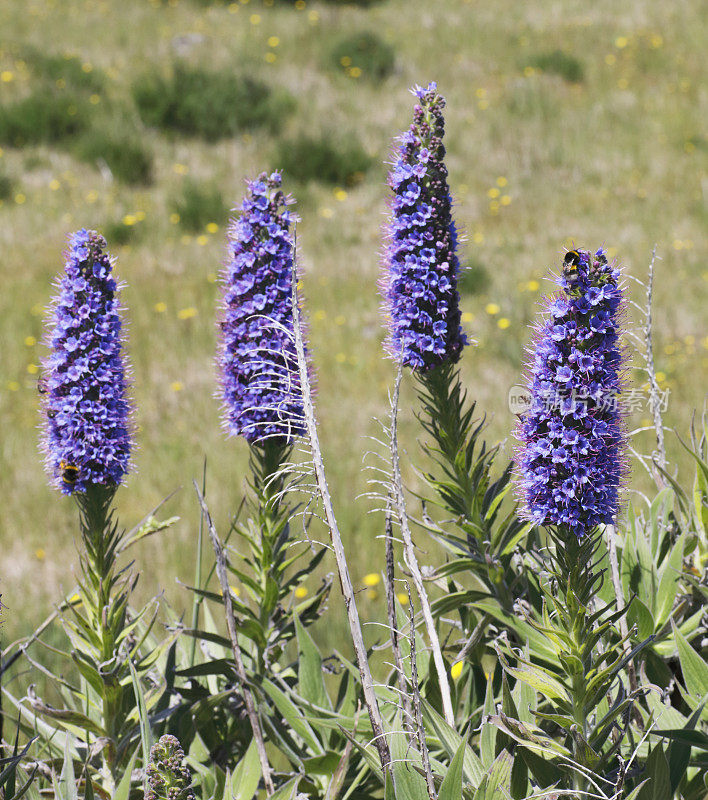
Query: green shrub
x=7, y=186
x=70, y=69
x=559, y=63
x=364, y=51
x=120, y=233
x=308, y=159
x=213, y=105
x=198, y=206
x=126, y=157
x=45, y=116
x=474, y=278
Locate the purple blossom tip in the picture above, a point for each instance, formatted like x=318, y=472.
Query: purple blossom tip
x=86, y=434
x=260, y=387
x=419, y=282
x=571, y=460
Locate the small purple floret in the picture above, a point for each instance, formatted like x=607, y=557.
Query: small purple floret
x=571, y=460
x=260, y=388
x=419, y=285
x=86, y=411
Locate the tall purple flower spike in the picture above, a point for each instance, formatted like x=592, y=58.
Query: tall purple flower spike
x=571, y=461
x=419, y=284
x=257, y=360
x=86, y=412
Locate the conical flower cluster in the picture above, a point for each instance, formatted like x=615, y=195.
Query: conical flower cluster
x=257, y=362
x=167, y=776
x=86, y=411
x=571, y=461
x=419, y=285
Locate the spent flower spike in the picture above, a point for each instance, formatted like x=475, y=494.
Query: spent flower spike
x=260, y=388
x=571, y=461
x=167, y=776
x=419, y=284
x=86, y=434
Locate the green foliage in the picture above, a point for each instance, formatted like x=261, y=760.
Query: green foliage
x=67, y=69
x=118, y=233
x=481, y=530
x=474, y=278
x=198, y=206
x=125, y=156
x=7, y=186
x=14, y=781
x=212, y=105
x=324, y=159
x=105, y=690
x=266, y=615
x=366, y=52
x=559, y=63
x=46, y=116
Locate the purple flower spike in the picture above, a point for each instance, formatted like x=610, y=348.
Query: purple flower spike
x=86, y=429
x=257, y=362
x=571, y=461
x=419, y=285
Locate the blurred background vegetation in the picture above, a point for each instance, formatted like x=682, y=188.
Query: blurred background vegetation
x=566, y=123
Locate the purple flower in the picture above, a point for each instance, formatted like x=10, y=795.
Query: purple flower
x=86, y=434
x=419, y=284
x=260, y=388
x=571, y=460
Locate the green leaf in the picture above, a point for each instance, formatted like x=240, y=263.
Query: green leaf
x=545, y=772
x=146, y=739
x=123, y=789
x=488, y=733
x=451, y=787
x=500, y=776
x=638, y=614
x=325, y=764
x=67, y=779
x=246, y=775
x=410, y=784
x=658, y=787
x=292, y=716
x=451, y=741
x=694, y=668
x=669, y=580
x=310, y=676
x=540, y=680
x=286, y=792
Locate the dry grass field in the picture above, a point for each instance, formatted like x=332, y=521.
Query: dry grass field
x=540, y=155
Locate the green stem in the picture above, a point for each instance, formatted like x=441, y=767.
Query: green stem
x=448, y=418
x=100, y=537
x=267, y=461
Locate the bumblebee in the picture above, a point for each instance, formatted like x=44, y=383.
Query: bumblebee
x=570, y=266
x=42, y=387
x=69, y=472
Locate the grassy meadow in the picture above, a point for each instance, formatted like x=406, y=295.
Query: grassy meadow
x=567, y=122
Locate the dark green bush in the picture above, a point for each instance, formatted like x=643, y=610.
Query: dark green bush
x=119, y=233
x=45, y=116
x=323, y=159
x=198, y=206
x=67, y=68
x=7, y=186
x=213, y=105
x=126, y=157
x=559, y=63
x=473, y=278
x=364, y=51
